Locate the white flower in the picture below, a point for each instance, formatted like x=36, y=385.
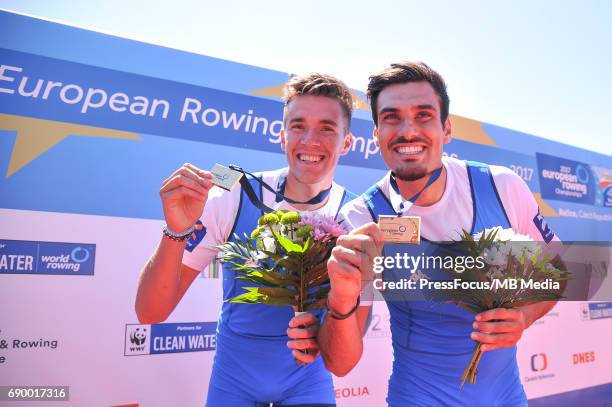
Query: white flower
x=269, y=244
x=259, y=255
x=477, y=236
x=278, y=228
x=496, y=255
x=265, y=232
x=504, y=235
x=495, y=274
x=528, y=250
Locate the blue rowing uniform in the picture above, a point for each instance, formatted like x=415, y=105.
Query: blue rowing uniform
x=431, y=340
x=253, y=365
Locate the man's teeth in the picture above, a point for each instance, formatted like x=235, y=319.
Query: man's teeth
x=409, y=149
x=310, y=158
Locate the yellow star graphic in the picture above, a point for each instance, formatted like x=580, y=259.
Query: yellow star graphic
x=36, y=136
x=469, y=130
x=545, y=208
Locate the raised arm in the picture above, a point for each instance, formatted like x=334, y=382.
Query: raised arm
x=164, y=279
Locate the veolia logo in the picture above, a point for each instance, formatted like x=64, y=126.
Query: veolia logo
x=347, y=392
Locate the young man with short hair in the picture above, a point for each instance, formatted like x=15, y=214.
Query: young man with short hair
x=253, y=365
x=432, y=341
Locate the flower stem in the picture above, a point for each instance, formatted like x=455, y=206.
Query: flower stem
x=471, y=370
x=302, y=283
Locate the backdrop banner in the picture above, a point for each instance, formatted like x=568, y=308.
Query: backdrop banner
x=90, y=125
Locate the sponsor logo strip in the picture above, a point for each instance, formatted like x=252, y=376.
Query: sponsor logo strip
x=170, y=338
x=600, y=310
x=30, y=257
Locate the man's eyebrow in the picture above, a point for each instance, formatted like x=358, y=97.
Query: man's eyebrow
x=388, y=109
x=323, y=121
x=426, y=106
x=329, y=121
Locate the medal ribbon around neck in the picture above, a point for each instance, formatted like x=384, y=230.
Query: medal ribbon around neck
x=407, y=204
x=279, y=194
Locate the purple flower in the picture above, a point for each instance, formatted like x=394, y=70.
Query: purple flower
x=323, y=226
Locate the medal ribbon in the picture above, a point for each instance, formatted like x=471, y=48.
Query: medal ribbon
x=406, y=205
x=246, y=185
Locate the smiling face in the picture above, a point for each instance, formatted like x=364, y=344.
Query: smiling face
x=314, y=137
x=410, y=133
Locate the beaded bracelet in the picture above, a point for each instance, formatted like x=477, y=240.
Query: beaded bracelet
x=178, y=237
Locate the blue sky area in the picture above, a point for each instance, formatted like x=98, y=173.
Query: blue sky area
x=538, y=67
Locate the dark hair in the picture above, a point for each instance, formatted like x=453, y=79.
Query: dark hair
x=318, y=84
x=404, y=72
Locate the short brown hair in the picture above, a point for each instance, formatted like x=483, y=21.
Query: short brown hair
x=404, y=72
x=317, y=84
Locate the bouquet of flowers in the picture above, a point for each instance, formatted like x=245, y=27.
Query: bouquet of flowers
x=505, y=256
x=286, y=259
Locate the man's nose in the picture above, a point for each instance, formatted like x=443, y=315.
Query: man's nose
x=311, y=137
x=408, y=128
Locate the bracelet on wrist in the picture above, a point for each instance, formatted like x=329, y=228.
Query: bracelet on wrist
x=177, y=237
x=336, y=315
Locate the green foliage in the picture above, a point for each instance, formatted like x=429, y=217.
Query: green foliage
x=288, y=244
x=294, y=274
x=304, y=231
x=266, y=295
x=290, y=218
x=268, y=219
x=535, y=267
x=256, y=232
x=524, y=266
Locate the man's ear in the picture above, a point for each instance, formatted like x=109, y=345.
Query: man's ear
x=448, y=135
x=283, y=140
x=375, y=136
x=348, y=142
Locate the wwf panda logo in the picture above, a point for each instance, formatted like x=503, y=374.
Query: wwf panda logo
x=138, y=337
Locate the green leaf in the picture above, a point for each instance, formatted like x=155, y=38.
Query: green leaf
x=255, y=296
x=271, y=278
x=318, y=281
x=316, y=271
x=288, y=244
x=277, y=292
x=307, y=244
